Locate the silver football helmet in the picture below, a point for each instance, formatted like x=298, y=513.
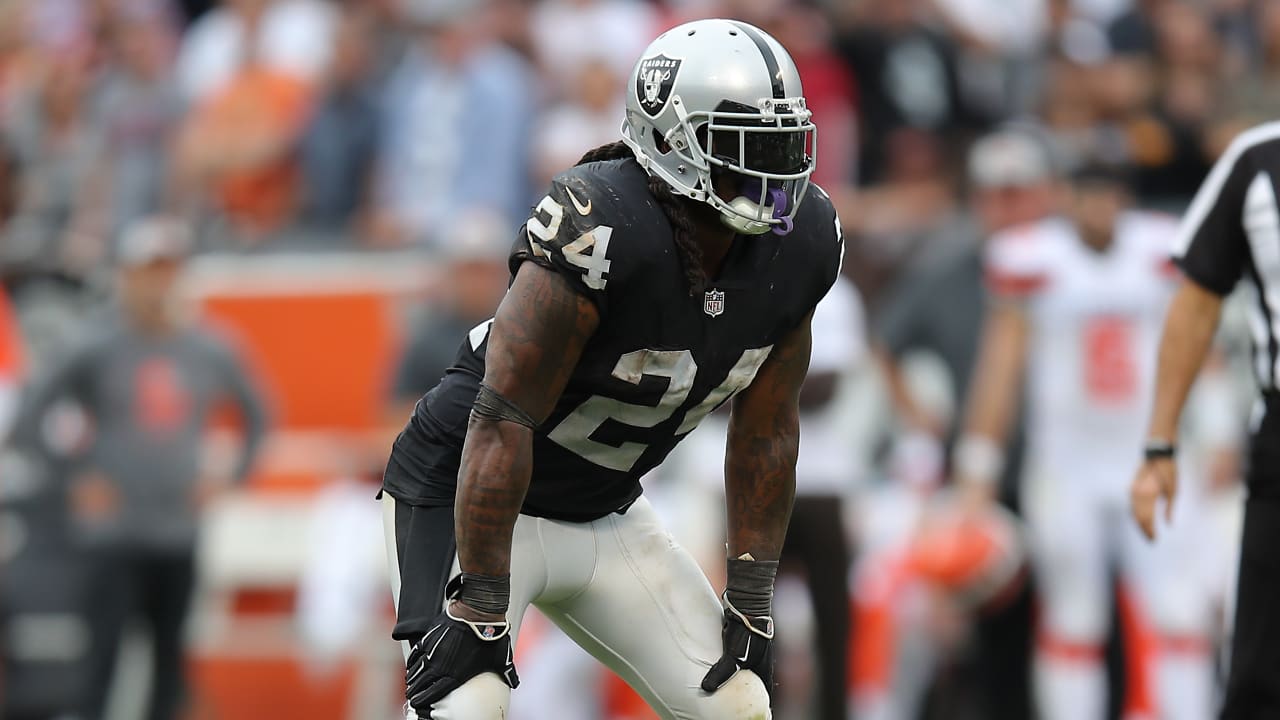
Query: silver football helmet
x=721, y=96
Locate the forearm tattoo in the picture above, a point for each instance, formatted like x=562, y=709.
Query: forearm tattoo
x=764, y=441
x=537, y=337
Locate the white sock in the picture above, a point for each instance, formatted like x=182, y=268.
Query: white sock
x=1070, y=688
x=1184, y=684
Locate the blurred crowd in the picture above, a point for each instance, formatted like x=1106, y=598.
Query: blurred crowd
x=375, y=123
x=429, y=127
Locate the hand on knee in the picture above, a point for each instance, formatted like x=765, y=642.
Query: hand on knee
x=742, y=697
x=483, y=697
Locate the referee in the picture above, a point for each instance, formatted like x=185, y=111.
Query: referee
x=1231, y=230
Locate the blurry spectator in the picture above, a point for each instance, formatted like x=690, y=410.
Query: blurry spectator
x=1071, y=103
x=512, y=24
x=1151, y=114
x=1078, y=302
x=1100, y=12
x=1186, y=40
x=11, y=365
x=568, y=34
x=817, y=542
x=1014, y=27
x=907, y=78
x=61, y=24
x=239, y=150
x=476, y=275
x=137, y=114
x=341, y=142
x=590, y=116
x=938, y=310
x=906, y=220
x=146, y=384
x=290, y=36
x=1256, y=96
x=193, y=9
x=999, y=44
x=456, y=129
x=1133, y=32
x=14, y=52
x=51, y=133
x=10, y=180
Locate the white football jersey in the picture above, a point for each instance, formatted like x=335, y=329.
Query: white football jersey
x=1095, y=323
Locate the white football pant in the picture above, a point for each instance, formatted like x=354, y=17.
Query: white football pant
x=1079, y=530
x=623, y=589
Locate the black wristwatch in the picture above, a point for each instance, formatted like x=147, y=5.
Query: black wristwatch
x=1159, y=450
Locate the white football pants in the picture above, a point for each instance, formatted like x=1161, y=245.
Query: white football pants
x=623, y=589
x=1079, y=525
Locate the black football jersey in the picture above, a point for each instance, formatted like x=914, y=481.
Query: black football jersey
x=661, y=358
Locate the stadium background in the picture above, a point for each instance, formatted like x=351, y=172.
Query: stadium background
x=355, y=169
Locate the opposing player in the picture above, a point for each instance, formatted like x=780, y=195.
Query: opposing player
x=1079, y=301
x=658, y=279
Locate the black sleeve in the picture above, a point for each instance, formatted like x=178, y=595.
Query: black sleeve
x=828, y=246
x=569, y=232
x=1212, y=248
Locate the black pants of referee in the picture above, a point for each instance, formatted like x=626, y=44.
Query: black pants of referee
x=817, y=545
x=1253, y=685
x=154, y=586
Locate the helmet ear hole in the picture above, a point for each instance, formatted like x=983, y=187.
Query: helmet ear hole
x=660, y=142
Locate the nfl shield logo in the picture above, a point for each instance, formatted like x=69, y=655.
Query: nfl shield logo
x=713, y=302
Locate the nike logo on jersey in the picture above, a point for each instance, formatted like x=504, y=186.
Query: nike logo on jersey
x=577, y=204
x=746, y=653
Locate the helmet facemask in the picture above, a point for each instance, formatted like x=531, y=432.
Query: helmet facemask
x=767, y=152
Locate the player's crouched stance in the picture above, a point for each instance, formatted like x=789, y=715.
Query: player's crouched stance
x=658, y=279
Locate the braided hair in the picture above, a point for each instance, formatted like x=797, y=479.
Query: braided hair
x=677, y=215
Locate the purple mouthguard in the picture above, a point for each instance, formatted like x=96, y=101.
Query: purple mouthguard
x=778, y=199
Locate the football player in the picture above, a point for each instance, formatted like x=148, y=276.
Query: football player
x=661, y=277
x=1078, y=301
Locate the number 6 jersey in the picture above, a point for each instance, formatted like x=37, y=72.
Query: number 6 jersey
x=660, y=360
x=1095, y=321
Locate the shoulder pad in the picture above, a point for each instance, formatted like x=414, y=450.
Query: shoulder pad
x=818, y=229
x=1019, y=260
x=570, y=229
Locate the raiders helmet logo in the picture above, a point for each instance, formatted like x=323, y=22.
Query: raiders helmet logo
x=713, y=302
x=654, y=81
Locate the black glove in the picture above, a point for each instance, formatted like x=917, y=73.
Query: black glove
x=452, y=652
x=748, y=645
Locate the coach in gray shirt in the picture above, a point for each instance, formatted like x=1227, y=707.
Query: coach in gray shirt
x=146, y=384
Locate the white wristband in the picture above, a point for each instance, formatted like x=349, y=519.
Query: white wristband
x=978, y=459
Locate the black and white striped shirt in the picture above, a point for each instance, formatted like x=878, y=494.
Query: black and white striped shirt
x=1232, y=230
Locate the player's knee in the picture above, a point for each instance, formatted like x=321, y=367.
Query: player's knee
x=743, y=697
x=483, y=697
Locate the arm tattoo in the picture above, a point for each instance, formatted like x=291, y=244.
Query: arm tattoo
x=764, y=440
x=537, y=337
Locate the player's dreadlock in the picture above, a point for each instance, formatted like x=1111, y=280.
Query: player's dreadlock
x=681, y=223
